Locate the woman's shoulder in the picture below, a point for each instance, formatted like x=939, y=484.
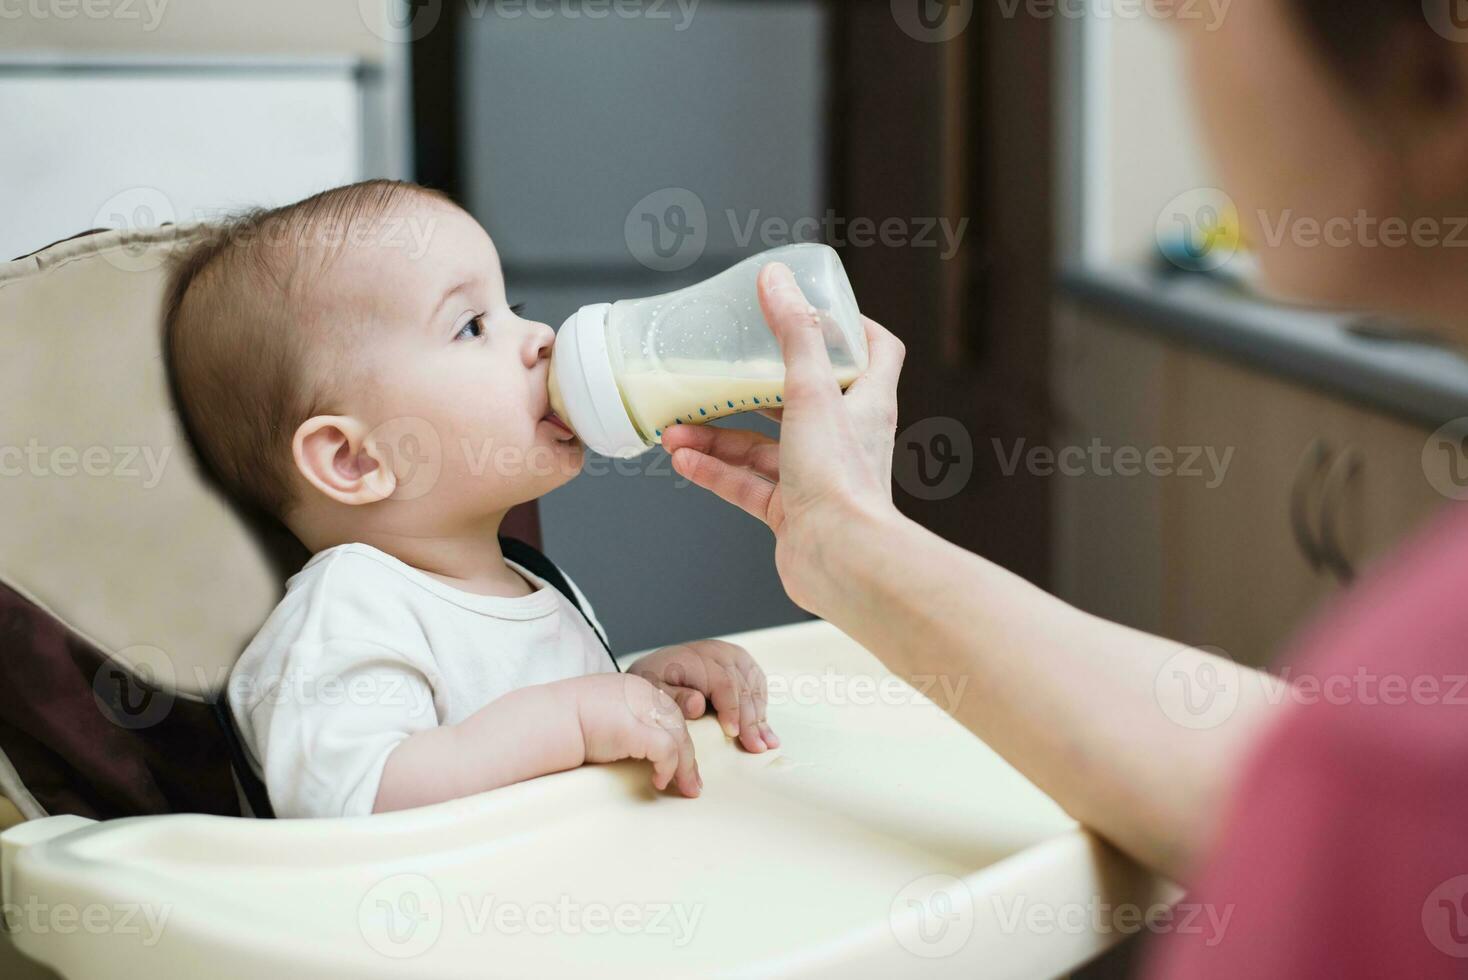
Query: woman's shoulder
x=1344, y=835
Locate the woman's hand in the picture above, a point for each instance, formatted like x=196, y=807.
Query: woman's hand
x=1053, y=684
x=831, y=467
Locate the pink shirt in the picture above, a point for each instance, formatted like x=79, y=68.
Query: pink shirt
x=1346, y=851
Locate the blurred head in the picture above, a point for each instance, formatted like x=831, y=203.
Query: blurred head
x=1340, y=128
x=350, y=365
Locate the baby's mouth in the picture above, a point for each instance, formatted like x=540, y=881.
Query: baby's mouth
x=563, y=431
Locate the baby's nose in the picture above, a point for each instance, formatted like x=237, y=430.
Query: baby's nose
x=539, y=341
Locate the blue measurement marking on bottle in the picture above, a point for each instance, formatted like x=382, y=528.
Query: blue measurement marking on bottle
x=714, y=410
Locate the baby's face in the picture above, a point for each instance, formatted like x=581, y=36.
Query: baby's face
x=450, y=379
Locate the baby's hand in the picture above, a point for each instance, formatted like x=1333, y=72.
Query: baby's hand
x=712, y=671
x=626, y=717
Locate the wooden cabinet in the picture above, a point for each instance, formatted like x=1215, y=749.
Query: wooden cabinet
x=1106, y=536
x=1291, y=492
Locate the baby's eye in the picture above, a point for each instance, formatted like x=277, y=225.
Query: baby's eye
x=472, y=330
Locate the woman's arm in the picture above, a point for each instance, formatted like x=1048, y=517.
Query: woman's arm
x=1096, y=714
x=1115, y=724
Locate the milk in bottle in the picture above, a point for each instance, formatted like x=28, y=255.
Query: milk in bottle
x=622, y=372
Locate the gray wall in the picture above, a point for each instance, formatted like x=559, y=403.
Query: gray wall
x=571, y=122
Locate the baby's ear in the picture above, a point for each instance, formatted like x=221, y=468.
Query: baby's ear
x=334, y=453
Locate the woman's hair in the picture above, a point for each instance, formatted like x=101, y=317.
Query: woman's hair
x=1353, y=34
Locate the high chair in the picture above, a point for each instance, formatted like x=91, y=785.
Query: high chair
x=881, y=839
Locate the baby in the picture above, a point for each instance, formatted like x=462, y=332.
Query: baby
x=349, y=365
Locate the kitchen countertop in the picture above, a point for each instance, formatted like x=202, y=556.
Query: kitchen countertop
x=1414, y=379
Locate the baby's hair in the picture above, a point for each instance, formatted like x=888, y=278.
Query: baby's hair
x=237, y=333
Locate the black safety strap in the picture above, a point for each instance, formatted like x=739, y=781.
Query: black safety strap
x=542, y=567
x=253, y=786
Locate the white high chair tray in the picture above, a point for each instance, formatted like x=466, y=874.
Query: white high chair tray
x=881, y=839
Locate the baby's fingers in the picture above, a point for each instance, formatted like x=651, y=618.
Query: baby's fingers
x=691, y=702
x=754, y=729
x=725, y=691
x=680, y=766
x=670, y=750
x=690, y=782
x=748, y=691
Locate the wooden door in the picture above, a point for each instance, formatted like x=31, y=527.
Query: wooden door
x=955, y=133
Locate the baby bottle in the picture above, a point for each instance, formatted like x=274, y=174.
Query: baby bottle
x=622, y=372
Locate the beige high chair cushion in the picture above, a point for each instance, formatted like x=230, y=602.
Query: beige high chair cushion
x=128, y=587
x=108, y=525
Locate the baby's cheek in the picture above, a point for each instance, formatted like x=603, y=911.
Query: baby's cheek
x=488, y=439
